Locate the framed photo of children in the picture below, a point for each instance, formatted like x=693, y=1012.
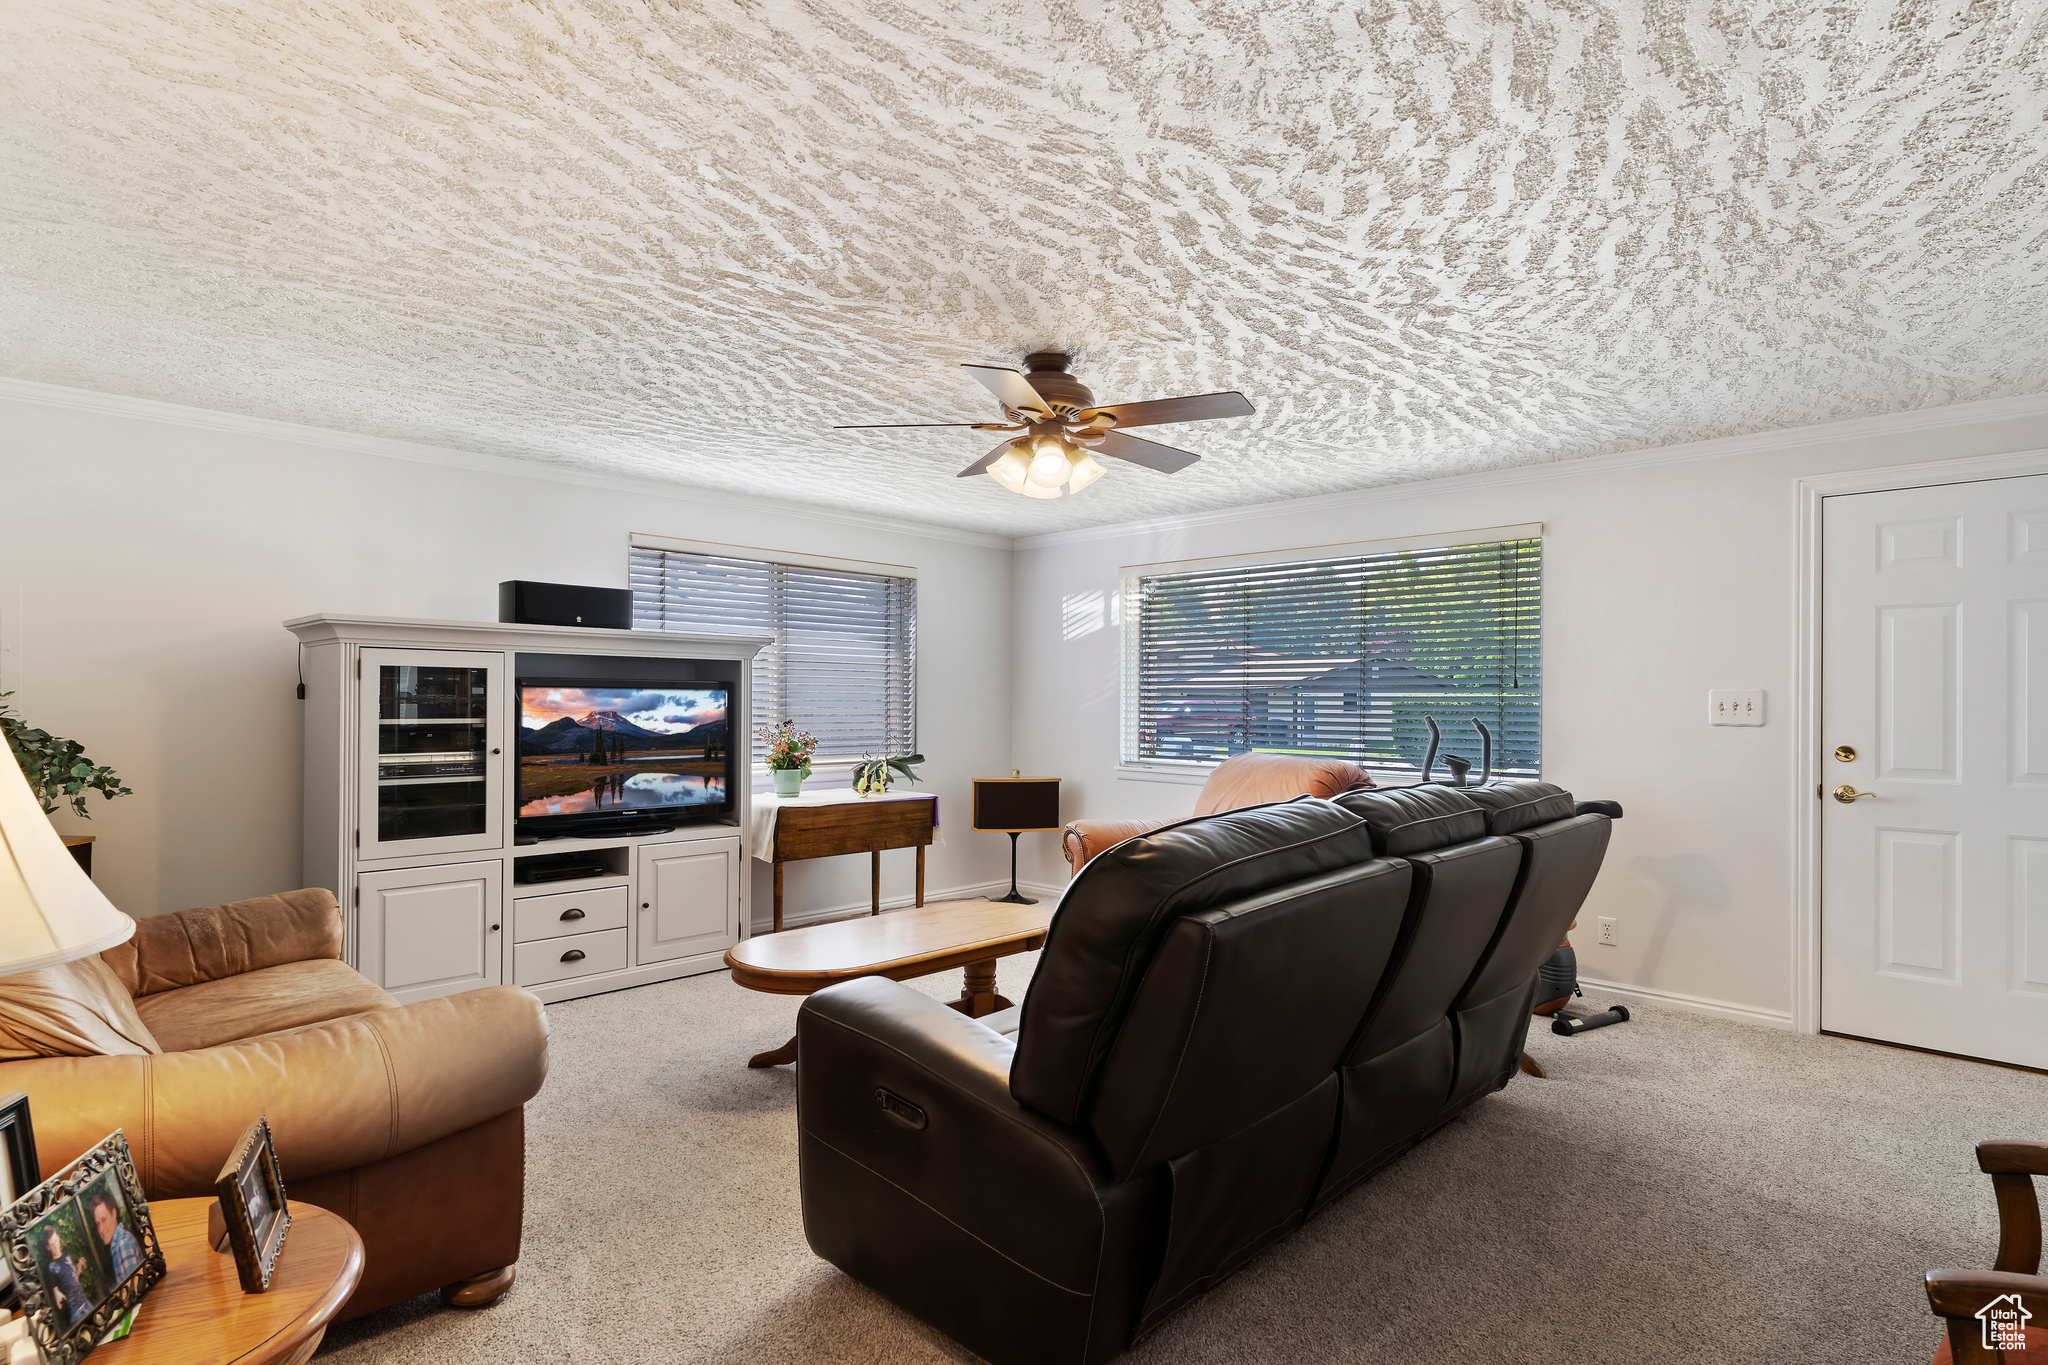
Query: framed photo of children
x=251, y=1190
x=82, y=1252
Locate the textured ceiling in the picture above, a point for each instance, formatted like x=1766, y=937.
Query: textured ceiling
x=682, y=238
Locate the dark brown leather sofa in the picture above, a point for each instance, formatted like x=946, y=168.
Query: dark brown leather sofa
x=1235, y=1019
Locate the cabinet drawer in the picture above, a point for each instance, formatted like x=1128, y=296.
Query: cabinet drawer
x=536, y=964
x=569, y=912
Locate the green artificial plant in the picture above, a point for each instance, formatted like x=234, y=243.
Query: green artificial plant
x=57, y=769
x=872, y=776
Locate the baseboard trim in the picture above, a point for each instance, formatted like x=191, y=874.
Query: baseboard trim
x=796, y=919
x=1696, y=1004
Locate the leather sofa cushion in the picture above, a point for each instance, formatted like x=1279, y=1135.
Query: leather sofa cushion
x=184, y=949
x=1110, y=922
x=1406, y=820
x=267, y=1000
x=1256, y=779
x=339, y=1094
x=74, y=1009
x=1515, y=804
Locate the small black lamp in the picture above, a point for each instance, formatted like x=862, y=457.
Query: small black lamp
x=1016, y=805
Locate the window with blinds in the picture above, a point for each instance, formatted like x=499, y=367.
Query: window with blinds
x=844, y=662
x=1340, y=657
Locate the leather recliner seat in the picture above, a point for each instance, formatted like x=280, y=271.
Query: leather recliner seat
x=1234, y=1018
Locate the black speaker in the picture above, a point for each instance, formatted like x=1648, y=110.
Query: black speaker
x=564, y=604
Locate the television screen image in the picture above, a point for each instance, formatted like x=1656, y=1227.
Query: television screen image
x=586, y=750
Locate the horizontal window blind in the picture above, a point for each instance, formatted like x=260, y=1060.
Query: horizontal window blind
x=1340, y=657
x=844, y=661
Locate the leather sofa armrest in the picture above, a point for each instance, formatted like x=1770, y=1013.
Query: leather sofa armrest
x=190, y=946
x=1083, y=839
x=339, y=1094
x=919, y=1094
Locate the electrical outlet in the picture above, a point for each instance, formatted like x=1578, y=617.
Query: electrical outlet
x=1735, y=706
x=1609, y=935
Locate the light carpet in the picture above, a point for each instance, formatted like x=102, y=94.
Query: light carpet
x=1682, y=1189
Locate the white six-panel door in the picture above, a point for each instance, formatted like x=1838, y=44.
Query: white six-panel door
x=1934, y=890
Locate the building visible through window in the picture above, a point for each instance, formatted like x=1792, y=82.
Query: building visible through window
x=1343, y=657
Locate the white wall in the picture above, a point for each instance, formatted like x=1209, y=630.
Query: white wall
x=145, y=566
x=1664, y=576
x=146, y=561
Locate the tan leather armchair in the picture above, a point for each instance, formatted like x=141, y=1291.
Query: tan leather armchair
x=407, y=1120
x=1246, y=780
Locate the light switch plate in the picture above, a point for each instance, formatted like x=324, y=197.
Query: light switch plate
x=1735, y=706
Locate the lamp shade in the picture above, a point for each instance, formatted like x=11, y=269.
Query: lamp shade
x=50, y=911
x=1012, y=805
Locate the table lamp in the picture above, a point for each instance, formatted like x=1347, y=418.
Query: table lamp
x=50, y=912
x=1016, y=805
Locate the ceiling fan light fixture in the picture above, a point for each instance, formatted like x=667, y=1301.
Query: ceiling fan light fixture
x=1052, y=460
x=1032, y=490
x=1010, y=469
x=1087, y=470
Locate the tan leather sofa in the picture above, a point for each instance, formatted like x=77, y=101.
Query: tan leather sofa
x=407, y=1120
x=1246, y=780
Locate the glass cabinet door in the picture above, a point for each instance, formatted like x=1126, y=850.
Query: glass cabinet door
x=432, y=767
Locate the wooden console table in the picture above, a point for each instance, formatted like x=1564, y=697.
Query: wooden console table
x=856, y=826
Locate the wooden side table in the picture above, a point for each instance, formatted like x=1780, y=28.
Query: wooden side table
x=198, y=1314
x=854, y=827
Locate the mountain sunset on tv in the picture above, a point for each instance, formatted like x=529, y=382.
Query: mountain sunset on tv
x=589, y=749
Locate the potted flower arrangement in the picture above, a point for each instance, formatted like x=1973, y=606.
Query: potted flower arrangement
x=872, y=776
x=789, y=756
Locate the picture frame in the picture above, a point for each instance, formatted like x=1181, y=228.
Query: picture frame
x=20, y=1172
x=253, y=1205
x=82, y=1251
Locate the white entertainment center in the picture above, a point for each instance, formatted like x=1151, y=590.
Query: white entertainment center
x=411, y=810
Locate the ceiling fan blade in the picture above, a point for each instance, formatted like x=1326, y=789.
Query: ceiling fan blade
x=1011, y=389
x=898, y=426
x=1200, y=407
x=981, y=465
x=1150, y=454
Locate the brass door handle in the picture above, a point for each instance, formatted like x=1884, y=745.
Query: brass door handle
x=1848, y=795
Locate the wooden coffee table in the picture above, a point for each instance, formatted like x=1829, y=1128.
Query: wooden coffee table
x=198, y=1314
x=899, y=945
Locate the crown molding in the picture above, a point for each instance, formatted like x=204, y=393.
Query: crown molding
x=1721, y=447
x=325, y=438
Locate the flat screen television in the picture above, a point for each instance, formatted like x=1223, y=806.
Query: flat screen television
x=625, y=758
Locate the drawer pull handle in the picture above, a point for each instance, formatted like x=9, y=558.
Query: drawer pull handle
x=572, y=914
x=573, y=955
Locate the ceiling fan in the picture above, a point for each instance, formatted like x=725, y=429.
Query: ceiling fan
x=1064, y=429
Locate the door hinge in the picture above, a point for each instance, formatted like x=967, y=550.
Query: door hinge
x=358, y=898
x=359, y=666
x=359, y=838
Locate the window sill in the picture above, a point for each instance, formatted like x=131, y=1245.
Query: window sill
x=1181, y=777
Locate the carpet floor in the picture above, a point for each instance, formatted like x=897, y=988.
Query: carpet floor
x=1681, y=1190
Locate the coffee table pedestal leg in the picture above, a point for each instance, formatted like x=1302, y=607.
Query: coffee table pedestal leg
x=978, y=993
x=781, y=1056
